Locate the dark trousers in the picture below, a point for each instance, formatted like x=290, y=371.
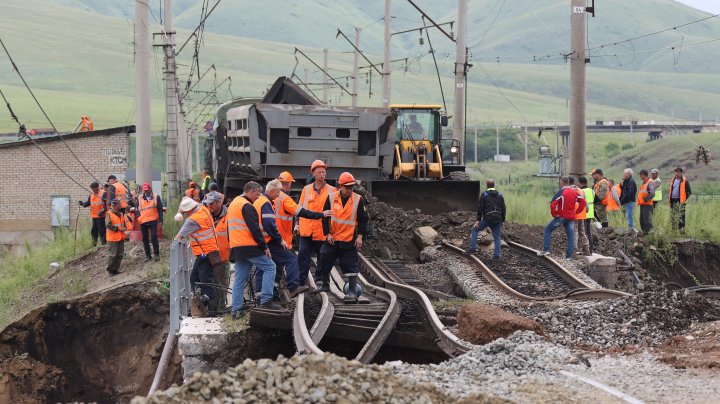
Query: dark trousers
x=348, y=259
x=646, y=212
x=285, y=259
x=98, y=230
x=116, y=249
x=306, y=249
x=150, y=227
x=203, y=272
x=677, y=213
x=588, y=233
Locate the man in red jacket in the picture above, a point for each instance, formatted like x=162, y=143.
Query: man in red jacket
x=563, y=210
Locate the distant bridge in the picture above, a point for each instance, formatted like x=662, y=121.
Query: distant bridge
x=627, y=126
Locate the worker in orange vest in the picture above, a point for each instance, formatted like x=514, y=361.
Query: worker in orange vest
x=150, y=209
x=192, y=192
x=199, y=228
x=115, y=235
x=645, y=196
x=117, y=190
x=97, y=213
x=344, y=232
x=601, y=187
x=313, y=197
x=679, y=194
x=580, y=234
x=86, y=125
x=213, y=201
x=248, y=248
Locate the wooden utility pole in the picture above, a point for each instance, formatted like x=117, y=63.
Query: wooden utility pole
x=386, y=57
x=577, y=87
x=356, y=56
x=171, y=105
x=325, y=77
x=460, y=75
x=143, y=136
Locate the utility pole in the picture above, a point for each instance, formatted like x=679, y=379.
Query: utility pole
x=171, y=105
x=476, y=146
x=143, y=136
x=497, y=139
x=386, y=57
x=460, y=74
x=356, y=56
x=577, y=87
x=325, y=76
x=526, y=142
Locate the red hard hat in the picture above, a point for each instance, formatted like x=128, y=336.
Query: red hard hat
x=285, y=176
x=316, y=164
x=346, y=179
x=146, y=186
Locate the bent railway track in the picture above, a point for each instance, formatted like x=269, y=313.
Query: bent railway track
x=527, y=277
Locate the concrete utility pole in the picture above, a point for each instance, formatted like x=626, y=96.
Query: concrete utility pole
x=476, y=146
x=143, y=136
x=325, y=76
x=460, y=74
x=356, y=56
x=577, y=88
x=171, y=105
x=497, y=139
x=386, y=57
x=526, y=142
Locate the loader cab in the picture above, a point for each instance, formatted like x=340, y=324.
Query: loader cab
x=418, y=122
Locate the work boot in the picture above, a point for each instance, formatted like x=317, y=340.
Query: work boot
x=270, y=306
x=351, y=295
x=298, y=290
x=324, y=285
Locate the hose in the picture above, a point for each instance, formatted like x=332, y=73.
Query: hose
x=164, y=360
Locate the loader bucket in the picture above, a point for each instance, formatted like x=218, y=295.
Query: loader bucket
x=431, y=197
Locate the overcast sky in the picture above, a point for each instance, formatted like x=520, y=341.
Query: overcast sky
x=711, y=6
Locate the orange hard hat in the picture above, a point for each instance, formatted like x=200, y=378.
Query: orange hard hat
x=192, y=184
x=285, y=176
x=346, y=179
x=316, y=164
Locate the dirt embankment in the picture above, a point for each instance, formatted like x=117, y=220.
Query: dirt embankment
x=102, y=347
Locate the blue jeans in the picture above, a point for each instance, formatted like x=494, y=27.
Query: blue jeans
x=629, y=209
x=495, y=232
x=263, y=265
x=306, y=248
x=569, y=231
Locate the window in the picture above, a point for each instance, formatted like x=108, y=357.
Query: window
x=342, y=133
x=60, y=211
x=304, y=132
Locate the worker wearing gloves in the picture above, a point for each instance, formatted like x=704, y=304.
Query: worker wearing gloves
x=97, y=213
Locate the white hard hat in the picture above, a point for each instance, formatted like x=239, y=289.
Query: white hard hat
x=187, y=204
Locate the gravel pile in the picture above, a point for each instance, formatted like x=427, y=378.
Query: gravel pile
x=644, y=319
x=501, y=363
x=306, y=379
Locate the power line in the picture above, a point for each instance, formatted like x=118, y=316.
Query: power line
x=502, y=93
x=43, y=110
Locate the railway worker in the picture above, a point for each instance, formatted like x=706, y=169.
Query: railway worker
x=581, y=238
x=344, y=232
x=279, y=247
x=627, y=198
x=97, y=213
x=589, y=198
x=115, y=235
x=192, y=192
x=645, y=196
x=490, y=213
x=313, y=197
x=415, y=128
x=117, y=190
x=601, y=188
x=679, y=194
x=206, y=181
x=86, y=125
x=654, y=174
x=563, y=209
x=213, y=201
x=214, y=188
x=150, y=210
x=200, y=230
x=248, y=248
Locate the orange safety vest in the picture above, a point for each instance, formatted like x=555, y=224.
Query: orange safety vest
x=612, y=205
x=311, y=200
x=121, y=194
x=683, y=193
x=86, y=125
x=148, y=209
x=582, y=215
x=203, y=241
x=285, y=211
x=97, y=205
x=608, y=195
x=258, y=204
x=116, y=219
x=240, y=235
x=221, y=231
x=643, y=193
x=344, y=218
x=193, y=193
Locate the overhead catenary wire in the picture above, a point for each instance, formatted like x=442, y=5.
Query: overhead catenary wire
x=37, y=102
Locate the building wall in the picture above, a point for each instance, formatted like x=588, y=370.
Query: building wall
x=29, y=179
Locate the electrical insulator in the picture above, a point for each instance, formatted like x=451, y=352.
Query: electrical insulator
x=421, y=41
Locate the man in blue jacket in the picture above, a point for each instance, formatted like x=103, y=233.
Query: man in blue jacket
x=491, y=213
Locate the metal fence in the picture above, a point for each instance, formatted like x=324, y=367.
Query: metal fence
x=180, y=266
